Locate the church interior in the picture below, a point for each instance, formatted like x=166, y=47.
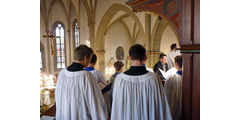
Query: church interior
x=110, y=28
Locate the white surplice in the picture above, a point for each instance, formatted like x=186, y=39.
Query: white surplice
x=139, y=98
x=98, y=76
x=173, y=89
x=101, y=80
x=170, y=58
x=78, y=97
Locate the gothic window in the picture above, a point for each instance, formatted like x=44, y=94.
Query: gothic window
x=76, y=34
x=60, y=48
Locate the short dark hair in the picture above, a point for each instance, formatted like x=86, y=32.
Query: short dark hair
x=137, y=52
x=94, y=59
x=178, y=60
x=82, y=51
x=162, y=55
x=118, y=65
x=173, y=46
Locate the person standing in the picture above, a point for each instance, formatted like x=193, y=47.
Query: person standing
x=137, y=93
x=77, y=95
x=171, y=55
x=161, y=64
x=173, y=89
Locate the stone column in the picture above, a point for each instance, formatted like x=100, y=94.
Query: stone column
x=47, y=54
x=91, y=34
x=100, y=60
x=148, y=38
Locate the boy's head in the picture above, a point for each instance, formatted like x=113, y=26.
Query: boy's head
x=163, y=58
x=137, y=52
x=118, y=66
x=93, y=59
x=178, y=62
x=173, y=46
x=83, y=53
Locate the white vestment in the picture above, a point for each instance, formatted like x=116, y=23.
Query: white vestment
x=78, y=97
x=170, y=58
x=46, y=97
x=139, y=97
x=98, y=76
x=173, y=89
x=101, y=80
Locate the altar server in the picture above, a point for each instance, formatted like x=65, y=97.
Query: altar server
x=77, y=95
x=96, y=73
x=171, y=55
x=100, y=79
x=173, y=89
x=138, y=94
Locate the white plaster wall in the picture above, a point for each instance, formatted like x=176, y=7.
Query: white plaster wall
x=115, y=37
x=168, y=38
x=103, y=6
x=140, y=39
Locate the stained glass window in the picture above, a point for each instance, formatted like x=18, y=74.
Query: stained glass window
x=76, y=34
x=60, y=46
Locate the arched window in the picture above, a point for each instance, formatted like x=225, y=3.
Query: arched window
x=59, y=31
x=76, y=34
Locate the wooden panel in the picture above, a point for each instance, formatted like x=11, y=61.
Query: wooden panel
x=196, y=21
x=50, y=112
x=196, y=88
x=190, y=47
x=186, y=22
x=187, y=86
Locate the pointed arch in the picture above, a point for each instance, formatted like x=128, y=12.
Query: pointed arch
x=105, y=21
x=59, y=43
x=54, y=3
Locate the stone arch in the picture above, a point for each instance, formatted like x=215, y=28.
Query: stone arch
x=158, y=29
x=105, y=21
x=157, y=33
x=102, y=28
x=52, y=5
x=171, y=25
x=75, y=10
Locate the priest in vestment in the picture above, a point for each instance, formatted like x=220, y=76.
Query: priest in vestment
x=138, y=94
x=173, y=89
x=77, y=94
x=171, y=55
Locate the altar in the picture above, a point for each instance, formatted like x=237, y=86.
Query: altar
x=47, y=92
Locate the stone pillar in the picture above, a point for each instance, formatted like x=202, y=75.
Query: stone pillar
x=68, y=48
x=100, y=60
x=91, y=34
x=46, y=54
x=148, y=38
